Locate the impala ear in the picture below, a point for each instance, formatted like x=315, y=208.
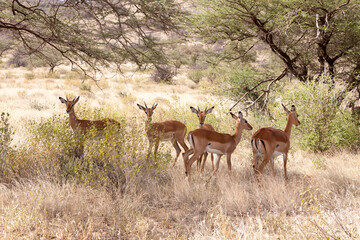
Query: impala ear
x=209, y=110
x=193, y=110
x=286, y=110
x=233, y=116
x=141, y=107
x=293, y=109
x=75, y=100
x=62, y=100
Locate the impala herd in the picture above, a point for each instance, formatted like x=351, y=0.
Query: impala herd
x=267, y=143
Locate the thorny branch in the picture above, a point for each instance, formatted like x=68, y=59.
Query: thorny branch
x=265, y=92
x=91, y=34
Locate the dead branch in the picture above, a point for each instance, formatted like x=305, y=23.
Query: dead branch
x=265, y=92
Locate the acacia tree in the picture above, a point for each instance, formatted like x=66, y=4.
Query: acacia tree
x=310, y=38
x=90, y=33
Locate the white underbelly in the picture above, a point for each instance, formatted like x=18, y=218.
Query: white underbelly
x=166, y=139
x=276, y=153
x=210, y=150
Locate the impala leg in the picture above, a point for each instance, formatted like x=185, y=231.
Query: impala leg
x=186, y=156
x=157, y=143
x=178, y=151
x=198, y=163
x=272, y=165
x=255, y=157
x=203, y=164
x=217, y=164
x=79, y=150
x=228, y=160
x=149, y=150
x=189, y=162
x=285, y=156
x=265, y=160
x=212, y=161
x=181, y=141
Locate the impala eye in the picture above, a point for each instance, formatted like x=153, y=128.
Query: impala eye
x=246, y=121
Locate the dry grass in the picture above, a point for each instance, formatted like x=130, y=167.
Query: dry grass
x=321, y=199
x=312, y=204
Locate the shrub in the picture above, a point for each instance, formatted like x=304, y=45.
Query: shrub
x=85, y=87
x=163, y=73
x=196, y=75
x=323, y=123
x=29, y=76
x=6, y=133
x=115, y=158
x=242, y=79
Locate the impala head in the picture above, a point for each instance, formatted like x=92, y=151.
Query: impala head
x=69, y=103
x=242, y=121
x=148, y=111
x=201, y=114
x=292, y=114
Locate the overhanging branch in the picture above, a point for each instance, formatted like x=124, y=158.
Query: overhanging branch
x=265, y=92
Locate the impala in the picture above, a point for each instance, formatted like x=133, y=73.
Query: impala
x=173, y=131
x=202, y=140
x=81, y=126
x=271, y=142
x=201, y=116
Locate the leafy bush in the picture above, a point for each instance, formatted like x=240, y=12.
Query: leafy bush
x=163, y=73
x=196, y=75
x=323, y=123
x=5, y=132
x=115, y=158
x=29, y=76
x=242, y=78
x=6, y=151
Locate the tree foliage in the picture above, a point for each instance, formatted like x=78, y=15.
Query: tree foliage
x=309, y=38
x=90, y=33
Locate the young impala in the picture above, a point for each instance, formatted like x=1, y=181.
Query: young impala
x=201, y=116
x=81, y=126
x=202, y=140
x=173, y=131
x=270, y=142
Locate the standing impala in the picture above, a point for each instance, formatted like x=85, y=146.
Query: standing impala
x=201, y=116
x=85, y=126
x=173, y=131
x=202, y=140
x=81, y=126
x=270, y=142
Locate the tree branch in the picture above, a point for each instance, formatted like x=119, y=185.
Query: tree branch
x=265, y=92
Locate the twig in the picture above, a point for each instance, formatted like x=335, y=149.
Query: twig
x=265, y=92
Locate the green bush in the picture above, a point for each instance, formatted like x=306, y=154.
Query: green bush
x=323, y=122
x=196, y=75
x=6, y=133
x=118, y=156
x=241, y=79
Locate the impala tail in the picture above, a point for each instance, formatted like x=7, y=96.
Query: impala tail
x=258, y=145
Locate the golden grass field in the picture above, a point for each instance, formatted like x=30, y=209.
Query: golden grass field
x=320, y=200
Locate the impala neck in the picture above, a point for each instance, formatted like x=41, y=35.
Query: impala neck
x=73, y=119
x=238, y=132
x=288, y=126
x=148, y=123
